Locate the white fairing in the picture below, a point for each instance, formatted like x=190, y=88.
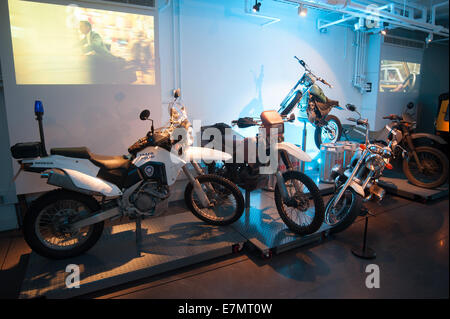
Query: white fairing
x=172, y=162
x=198, y=154
x=82, y=172
x=294, y=151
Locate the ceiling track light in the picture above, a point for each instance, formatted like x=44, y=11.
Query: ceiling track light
x=429, y=38
x=302, y=10
x=257, y=6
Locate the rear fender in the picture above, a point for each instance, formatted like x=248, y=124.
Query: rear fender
x=83, y=183
x=198, y=154
x=432, y=137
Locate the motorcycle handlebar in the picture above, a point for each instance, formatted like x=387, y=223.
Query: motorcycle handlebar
x=303, y=64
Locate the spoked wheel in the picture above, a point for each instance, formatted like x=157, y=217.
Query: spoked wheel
x=227, y=202
x=45, y=224
x=303, y=211
x=329, y=133
x=435, y=167
x=345, y=212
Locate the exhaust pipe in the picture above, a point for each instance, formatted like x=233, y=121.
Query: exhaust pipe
x=99, y=217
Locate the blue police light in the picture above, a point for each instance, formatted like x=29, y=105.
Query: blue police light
x=38, y=107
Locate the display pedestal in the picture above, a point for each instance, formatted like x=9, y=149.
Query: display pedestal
x=264, y=229
x=167, y=243
x=396, y=183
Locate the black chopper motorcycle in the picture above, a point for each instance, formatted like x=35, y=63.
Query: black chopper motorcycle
x=358, y=182
x=423, y=163
x=309, y=97
x=297, y=197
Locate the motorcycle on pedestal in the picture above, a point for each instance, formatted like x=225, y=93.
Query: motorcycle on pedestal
x=68, y=221
x=310, y=98
x=297, y=197
x=357, y=182
x=423, y=163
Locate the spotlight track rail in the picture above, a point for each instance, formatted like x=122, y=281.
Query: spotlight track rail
x=392, y=13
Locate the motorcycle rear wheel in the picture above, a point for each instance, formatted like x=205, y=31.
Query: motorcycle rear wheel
x=43, y=223
x=435, y=167
x=227, y=200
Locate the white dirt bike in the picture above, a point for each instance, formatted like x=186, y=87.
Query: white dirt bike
x=68, y=221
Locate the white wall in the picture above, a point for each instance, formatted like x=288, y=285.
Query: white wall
x=232, y=67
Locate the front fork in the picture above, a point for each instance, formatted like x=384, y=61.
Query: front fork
x=197, y=187
x=280, y=179
x=350, y=179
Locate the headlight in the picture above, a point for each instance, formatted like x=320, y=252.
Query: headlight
x=374, y=162
x=386, y=153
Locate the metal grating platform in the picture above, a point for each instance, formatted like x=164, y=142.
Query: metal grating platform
x=168, y=243
x=264, y=228
x=400, y=186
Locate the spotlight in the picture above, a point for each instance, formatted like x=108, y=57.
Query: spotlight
x=384, y=32
x=429, y=38
x=302, y=11
x=257, y=6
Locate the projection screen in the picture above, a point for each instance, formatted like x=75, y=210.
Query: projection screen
x=70, y=44
x=94, y=65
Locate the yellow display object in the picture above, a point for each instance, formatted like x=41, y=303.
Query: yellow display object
x=442, y=116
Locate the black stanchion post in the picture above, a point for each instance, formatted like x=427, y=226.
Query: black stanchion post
x=364, y=251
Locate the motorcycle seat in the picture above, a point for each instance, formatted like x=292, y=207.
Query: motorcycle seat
x=106, y=162
x=75, y=152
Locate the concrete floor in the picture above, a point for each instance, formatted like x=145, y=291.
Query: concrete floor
x=411, y=240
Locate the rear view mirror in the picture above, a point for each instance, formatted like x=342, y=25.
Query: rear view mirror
x=351, y=107
x=145, y=114
x=176, y=93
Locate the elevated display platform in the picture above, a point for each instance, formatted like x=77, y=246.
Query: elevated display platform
x=397, y=184
x=168, y=243
x=263, y=227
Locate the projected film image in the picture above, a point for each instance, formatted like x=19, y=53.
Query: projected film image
x=59, y=44
x=399, y=76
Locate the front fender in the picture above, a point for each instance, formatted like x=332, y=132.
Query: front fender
x=294, y=150
x=433, y=137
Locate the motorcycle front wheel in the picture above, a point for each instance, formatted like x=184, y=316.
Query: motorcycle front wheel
x=330, y=133
x=435, y=167
x=303, y=211
x=345, y=212
x=44, y=224
x=227, y=202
